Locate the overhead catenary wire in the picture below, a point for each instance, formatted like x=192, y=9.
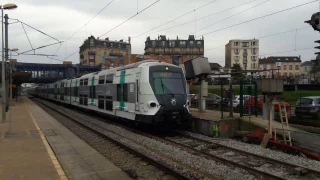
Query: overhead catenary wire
x=89, y=20
x=259, y=17
x=26, y=35
x=279, y=52
x=234, y=15
x=130, y=18
x=265, y=36
x=210, y=16
x=118, y=25
x=39, y=31
x=175, y=18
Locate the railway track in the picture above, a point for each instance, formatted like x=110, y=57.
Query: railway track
x=157, y=160
x=258, y=166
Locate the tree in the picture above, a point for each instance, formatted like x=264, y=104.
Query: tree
x=235, y=73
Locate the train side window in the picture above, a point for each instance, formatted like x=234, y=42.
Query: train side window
x=109, y=103
x=101, y=102
x=125, y=92
x=76, y=91
x=101, y=79
x=85, y=82
x=109, y=78
x=81, y=82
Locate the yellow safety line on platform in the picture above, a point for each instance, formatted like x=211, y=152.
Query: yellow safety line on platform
x=53, y=158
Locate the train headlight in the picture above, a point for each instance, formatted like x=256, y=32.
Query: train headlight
x=153, y=104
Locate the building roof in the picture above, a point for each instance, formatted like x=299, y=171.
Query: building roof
x=266, y=61
x=285, y=58
x=307, y=63
x=215, y=66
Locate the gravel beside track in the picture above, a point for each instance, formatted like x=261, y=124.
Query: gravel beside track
x=256, y=149
x=269, y=167
x=190, y=165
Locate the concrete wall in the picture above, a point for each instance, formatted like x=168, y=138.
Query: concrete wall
x=220, y=128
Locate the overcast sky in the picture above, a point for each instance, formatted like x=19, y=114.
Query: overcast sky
x=61, y=18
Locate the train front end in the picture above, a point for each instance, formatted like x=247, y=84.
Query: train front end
x=168, y=102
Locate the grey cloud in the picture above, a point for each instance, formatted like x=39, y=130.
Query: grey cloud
x=61, y=24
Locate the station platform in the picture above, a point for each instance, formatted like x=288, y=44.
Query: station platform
x=33, y=145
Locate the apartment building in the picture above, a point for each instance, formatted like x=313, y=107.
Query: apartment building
x=243, y=52
x=290, y=65
x=109, y=54
x=180, y=50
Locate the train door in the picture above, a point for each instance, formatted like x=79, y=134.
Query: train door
x=137, y=90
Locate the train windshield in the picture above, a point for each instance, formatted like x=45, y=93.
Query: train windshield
x=168, y=83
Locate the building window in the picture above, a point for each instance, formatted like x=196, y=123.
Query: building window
x=290, y=67
x=306, y=69
x=235, y=43
x=244, y=58
x=245, y=44
x=171, y=43
x=191, y=43
x=182, y=43
x=253, y=43
x=119, y=46
x=91, y=42
x=254, y=51
x=154, y=43
x=91, y=56
x=191, y=50
x=297, y=74
x=297, y=67
x=285, y=74
x=111, y=44
x=181, y=50
x=284, y=67
x=253, y=58
x=199, y=43
x=236, y=51
x=171, y=50
x=264, y=66
x=271, y=66
x=163, y=43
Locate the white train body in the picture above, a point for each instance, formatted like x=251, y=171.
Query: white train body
x=147, y=91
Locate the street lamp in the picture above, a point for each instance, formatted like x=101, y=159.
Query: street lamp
x=13, y=50
x=4, y=7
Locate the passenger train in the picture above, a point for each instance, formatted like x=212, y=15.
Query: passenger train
x=148, y=91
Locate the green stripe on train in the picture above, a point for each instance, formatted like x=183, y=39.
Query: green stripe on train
x=122, y=81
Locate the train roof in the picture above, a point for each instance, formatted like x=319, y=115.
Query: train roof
x=129, y=66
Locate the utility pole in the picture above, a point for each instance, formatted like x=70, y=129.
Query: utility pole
x=3, y=74
x=6, y=51
x=129, y=51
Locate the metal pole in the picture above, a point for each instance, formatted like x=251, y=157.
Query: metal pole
x=129, y=51
x=6, y=54
x=3, y=74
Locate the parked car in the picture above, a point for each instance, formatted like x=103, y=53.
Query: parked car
x=308, y=106
x=250, y=104
x=212, y=100
x=236, y=100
